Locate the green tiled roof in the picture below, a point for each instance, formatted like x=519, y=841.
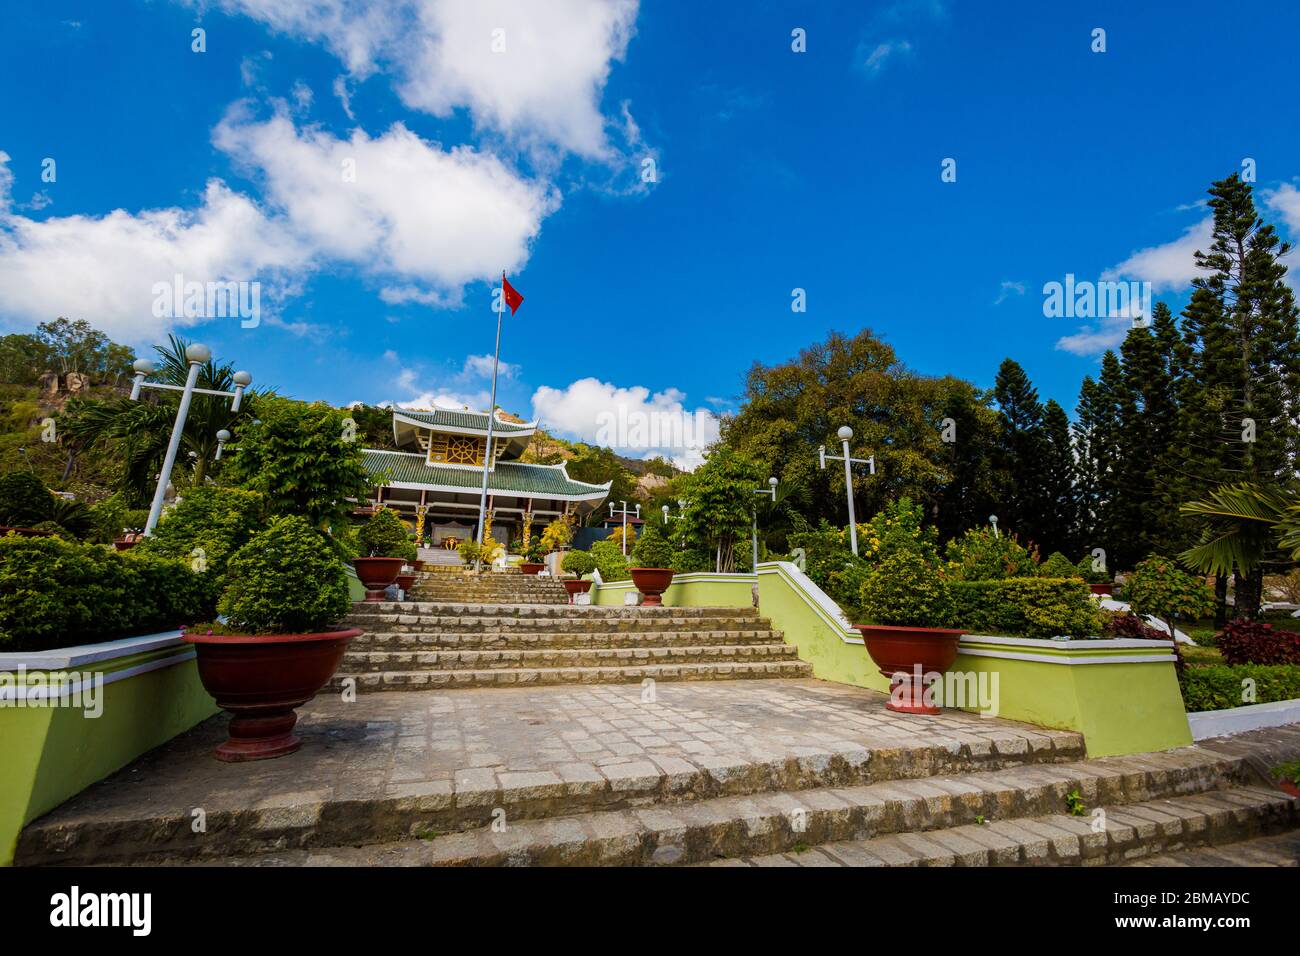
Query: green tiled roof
x=509, y=477
x=448, y=418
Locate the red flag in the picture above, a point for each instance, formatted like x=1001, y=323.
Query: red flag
x=512, y=297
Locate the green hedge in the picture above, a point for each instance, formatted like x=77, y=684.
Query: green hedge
x=1025, y=607
x=1219, y=686
x=57, y=593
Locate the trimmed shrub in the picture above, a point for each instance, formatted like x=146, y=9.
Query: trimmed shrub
x=578, y=562
x=832, y=566
x=1026, y=607
x=905, y=590
x=557, y=535
x=1159, y=589
x=692, y=559
x=384, y=536
x=286, y=580
x=610, y=561
x=58, y=593
x=1128, y=624
x=205, y=529
x=652, y=549
x=1254, y=642
x=24, y=500
x=981, y=555
x=1057, y=565
x=1092, y=575
x=1219, y=686
x=899, y=526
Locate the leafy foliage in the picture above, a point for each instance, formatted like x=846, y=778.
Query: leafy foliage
x=1220, y=686
x=832, y=566
x=1025, y=607
x=286, y=580
x=906, y=590
x=578, y=562
x=1128, y=624
x=1158, y=588
x=205, y=528
x=557, y=535
x=982, y=555
x=24, y=500
x=898, y=526
x=1253, y=642
x=384, y=536
x=1057, y=565
x=720, y=503
x=300, y=458
x=610, y=561
x=652, y=549
x=56, y=593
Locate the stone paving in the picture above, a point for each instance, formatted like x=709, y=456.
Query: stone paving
x=489, y=747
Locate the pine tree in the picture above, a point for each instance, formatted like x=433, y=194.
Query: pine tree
x=1061, y=522
x=1025, y=507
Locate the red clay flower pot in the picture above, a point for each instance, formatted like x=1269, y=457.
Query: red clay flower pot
x=576, y=587
x=652, y=583
x=376, y=574
x=531, y=567
x=404, y=581
x=900, y=650
x=1106, y=589
x=260, y=679
x=418, y=565
x=1290, y=787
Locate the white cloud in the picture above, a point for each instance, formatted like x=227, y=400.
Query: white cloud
x=544, y=87
x=103, y=268
x=632, y=421
x=480, y=366
x=1169, y=267
x=881, y=54
x=447, y=217
x=1285, y=201
x=1109, y=333
x=1008, y=289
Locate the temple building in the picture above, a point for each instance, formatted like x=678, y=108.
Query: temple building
x=437, y=473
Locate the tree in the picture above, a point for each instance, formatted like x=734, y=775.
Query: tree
x=720, y=503
x=1025, y=505
x=1060, y=522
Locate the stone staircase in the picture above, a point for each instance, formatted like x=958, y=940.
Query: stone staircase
x=447, y=585
x=422, y=646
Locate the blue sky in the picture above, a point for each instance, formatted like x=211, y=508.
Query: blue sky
x=775, y=170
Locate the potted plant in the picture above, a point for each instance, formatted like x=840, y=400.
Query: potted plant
x=1099, y=581
x=909, y=603
x=532, y=563
x=652, y=565
x=579, y=563
x=385, y=547
x=1288, y=775
x=277, y=646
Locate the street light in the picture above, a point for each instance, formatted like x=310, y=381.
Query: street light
x=770, y=491
x=845, y=433
x=197, y=356
x=624, y=512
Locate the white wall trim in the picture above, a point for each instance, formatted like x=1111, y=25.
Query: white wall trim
x=963, y=648
x=11, y=694
x=1238, y=720
x=79, y=655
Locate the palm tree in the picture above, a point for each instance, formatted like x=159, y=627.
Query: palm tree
x=1244, y=526
x=139, y=431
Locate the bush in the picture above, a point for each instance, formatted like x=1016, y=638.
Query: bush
x=1057, y=565
x=1090, y=574
x=1253, y=642
x=1219, y=686
x=57, y=593
x=384, y=536
x=907, y=591
x=557, y=535
x=579, y=563
x=609, y=561
x=692, y=559
x=1157, y=588
x=832, y=566
x=205, y=529
x=24, y=500
x=900, y=526
x=982, y=555
x=1128, y=624
x=286, y=580
x=652, y=549
x=1026, y=607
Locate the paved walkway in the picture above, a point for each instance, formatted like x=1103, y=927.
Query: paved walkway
x=551, y=742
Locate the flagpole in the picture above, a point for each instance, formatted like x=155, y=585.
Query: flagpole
x=492, y=414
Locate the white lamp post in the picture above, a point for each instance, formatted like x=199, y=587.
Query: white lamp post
x=197, y=355
x=624, y=512
x=845, y=433
x=770, y=491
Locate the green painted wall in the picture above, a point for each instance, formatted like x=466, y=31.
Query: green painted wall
x=49, y=754
x=687, y=590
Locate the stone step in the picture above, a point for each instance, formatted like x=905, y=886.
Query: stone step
x=355, y=661
x=309, y=813
x=538, y=640
x=1280, y=850
x=1124, y=833
x=1207, y=788
x=543, y=676
x=453, y=610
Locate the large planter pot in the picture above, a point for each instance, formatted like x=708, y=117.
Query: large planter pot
x=576, y=587
x=652, y=583
x=405, y=581
x=125, y=544
x=261, y=679
x=1107, y=589
x=531, y=567
x=418, y=565
x=376, y=574
x=902, y=650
